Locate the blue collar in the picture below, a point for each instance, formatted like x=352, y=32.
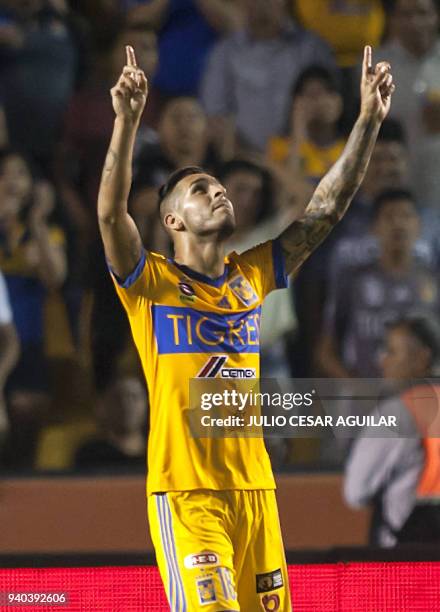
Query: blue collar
x=214, y=282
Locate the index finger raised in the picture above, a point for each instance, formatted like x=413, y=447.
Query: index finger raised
x=131, y=57
x=367, y=66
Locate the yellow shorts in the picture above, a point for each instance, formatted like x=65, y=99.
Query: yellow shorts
x=220, y=551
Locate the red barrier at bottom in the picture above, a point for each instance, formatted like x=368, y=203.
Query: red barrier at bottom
x=343, y=587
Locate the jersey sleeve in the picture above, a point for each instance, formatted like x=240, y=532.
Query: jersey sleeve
x=141, y=284
x=264, y=266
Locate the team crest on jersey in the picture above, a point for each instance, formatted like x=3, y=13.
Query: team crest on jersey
x=206, y=591
x=243, y=290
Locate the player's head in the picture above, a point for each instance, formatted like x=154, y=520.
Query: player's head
x=319, y=90
x=183, y=129
x=415, y=24
x=250, y=187
x=193, y=203
x=395, y=220
x=389, y=165
x=412, y=348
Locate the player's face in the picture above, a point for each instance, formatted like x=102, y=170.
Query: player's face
x=204, y=207
x=403, y=357
x=397, y=225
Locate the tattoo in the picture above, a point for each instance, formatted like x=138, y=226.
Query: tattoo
x=332, y=196
x=110, y=163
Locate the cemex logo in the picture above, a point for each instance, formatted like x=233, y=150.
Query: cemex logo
x=214, y=367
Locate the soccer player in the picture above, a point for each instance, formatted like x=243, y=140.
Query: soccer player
x=211, y=501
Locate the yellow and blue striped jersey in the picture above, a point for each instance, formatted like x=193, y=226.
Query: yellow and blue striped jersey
x=186, y=325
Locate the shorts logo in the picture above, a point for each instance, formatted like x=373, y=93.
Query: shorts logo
x=243, y=290
x=201, y=559
x=206, y=591
x=271, y=603
x=269, y=581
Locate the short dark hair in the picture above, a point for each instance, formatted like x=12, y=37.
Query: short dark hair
x=392, y=130
x=425, y=329
x=390, y=195
x=317, y=73
x=175, y=178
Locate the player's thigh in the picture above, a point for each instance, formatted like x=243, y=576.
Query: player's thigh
x=193, y=551
x=263, y=581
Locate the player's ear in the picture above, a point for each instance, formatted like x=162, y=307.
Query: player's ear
x=172, y=221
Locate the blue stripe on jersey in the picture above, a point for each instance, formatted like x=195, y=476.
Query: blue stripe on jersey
x=281, y=278
x=186, y=330
x=131, y=278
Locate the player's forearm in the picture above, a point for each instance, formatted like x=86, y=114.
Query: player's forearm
x=117, y=173
x=336, y=190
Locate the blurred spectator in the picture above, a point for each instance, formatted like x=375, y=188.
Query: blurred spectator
x=400, y=475
x=388, y=169
x=39, y=58
x=250, y=189
x=183, y=141
x=250, y=73
x=187, y=31
x=122, y=417
x=32, y=260
x=366, y=297
x=9, y=351
x=314, y=141
x=414, y=53
x=346, y=25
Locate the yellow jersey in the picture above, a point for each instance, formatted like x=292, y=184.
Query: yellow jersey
x=346, y=25
x=186, y=325
x=315, y=160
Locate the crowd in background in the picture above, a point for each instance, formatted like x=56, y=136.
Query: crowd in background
x=263, y=94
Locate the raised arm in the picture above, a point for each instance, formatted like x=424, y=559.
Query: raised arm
x=121, y=238
x=336, y=190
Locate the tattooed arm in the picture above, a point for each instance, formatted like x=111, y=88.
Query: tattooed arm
x=336, y=190
x=121, y=238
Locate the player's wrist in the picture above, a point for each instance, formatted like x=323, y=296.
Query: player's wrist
x=126, y=121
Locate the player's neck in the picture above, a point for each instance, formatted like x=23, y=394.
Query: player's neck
x=207, y=258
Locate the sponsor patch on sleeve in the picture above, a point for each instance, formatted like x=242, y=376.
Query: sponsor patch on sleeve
x=269, y=581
